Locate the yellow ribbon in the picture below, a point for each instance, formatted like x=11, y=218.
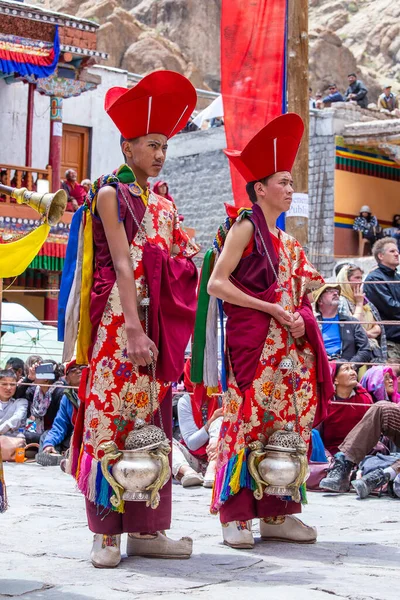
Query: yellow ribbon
x=85, y=326
x=15, y=257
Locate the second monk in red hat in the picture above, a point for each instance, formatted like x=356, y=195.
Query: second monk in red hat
x=278, y=370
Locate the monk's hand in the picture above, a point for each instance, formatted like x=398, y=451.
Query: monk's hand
x=298, y=328
x=283, y=317
x=141, y=349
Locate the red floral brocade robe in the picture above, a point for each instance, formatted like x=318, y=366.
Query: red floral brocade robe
x=117, y=393
x=254, y=410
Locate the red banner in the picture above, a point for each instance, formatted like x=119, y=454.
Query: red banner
x=252, y=72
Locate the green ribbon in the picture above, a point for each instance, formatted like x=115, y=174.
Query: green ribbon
x=199, y=336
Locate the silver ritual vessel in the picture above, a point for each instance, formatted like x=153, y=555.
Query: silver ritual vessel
x=141, y=469
x=280, y=467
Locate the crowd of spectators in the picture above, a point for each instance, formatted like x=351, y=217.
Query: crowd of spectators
x=357, y=93
x=38, y=403
x=359, y=319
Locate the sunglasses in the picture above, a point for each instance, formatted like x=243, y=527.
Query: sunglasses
x=73, y=369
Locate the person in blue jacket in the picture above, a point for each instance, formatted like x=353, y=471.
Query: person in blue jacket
x=58, y=438
x=334, y=95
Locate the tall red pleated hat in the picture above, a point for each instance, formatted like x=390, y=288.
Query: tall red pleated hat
x=271, y=150
x=161, y=102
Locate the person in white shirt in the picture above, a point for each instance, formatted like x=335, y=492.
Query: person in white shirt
x=12, y=412
x=200, y=421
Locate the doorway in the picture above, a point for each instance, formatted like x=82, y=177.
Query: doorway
x=75, y=150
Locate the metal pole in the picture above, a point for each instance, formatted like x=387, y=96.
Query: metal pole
x=297, y=225
x=55, y=141
x=29, y=124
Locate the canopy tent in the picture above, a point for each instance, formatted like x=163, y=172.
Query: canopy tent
x=42, y=341
x=215, y=109
x=15, y=317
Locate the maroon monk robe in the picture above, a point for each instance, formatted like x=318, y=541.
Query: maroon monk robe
x=246, y=331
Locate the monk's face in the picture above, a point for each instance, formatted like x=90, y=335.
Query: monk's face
x=276, y=192
x=146, y=155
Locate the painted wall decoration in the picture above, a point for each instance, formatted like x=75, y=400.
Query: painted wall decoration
x=30, y=57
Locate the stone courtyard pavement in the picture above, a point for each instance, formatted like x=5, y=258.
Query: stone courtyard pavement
x=45, y=544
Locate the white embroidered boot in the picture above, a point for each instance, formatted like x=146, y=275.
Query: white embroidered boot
x=158, y=545
x=106, y=551
x=287, y=529
x=209, y=475
x=237, y=534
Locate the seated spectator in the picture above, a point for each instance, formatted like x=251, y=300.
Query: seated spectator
x=318, y=100
x=333, y=96
x=356, y=92
x=381, y=383
x=161, y=189
x=339, y=266
x=190, y=126
x=18, y=366
x=12, y=411
x=200, y=420
x=44, y=398
x=29, y=369
x=75, y=191
x=387, y=101
x=368, y=225
x=3, y=181
x=386, y=296
x=348, y=341
x=217, y=122
x=57, y=440
x=394, y=230
x=341, y=416
x=86, y=184
x=355, y=303
x=381, y=418
x=311, y=100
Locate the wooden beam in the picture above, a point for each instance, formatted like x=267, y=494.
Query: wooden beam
x=297, y=52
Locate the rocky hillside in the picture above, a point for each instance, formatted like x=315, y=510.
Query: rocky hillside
x=355, y=35
x=143, y=35
x=183, y=35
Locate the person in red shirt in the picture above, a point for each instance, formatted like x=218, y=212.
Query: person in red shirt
x=75, y=191
x=341, y=416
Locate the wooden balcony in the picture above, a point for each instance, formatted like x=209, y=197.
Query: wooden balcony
x=30, y=178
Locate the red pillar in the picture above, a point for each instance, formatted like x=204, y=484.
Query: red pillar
x=29, y=125
x=51, y=299
x=55, y=141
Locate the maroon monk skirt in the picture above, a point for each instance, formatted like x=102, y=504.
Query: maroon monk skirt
x=244, y=507
x=137, y=518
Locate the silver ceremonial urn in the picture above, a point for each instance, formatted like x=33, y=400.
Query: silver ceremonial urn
x=280, y=467
x=139, y=471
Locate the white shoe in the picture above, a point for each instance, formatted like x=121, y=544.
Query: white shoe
x=191, y=478
x=158, y=546
x=209, y=475
x=237, y=534
x=106, y=552
x=287, y=529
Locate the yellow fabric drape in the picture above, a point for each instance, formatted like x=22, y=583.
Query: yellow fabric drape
x=85, y=325
x=15, y=257
x=347, y=290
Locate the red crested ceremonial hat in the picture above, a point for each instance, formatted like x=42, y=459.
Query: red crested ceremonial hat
x=271, y=150
x=161, y=102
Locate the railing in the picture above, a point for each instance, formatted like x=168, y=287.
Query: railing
x=33, y=179
x=29, y=177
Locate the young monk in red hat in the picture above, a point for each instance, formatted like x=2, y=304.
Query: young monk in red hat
x=140, y=252
x=263, y=277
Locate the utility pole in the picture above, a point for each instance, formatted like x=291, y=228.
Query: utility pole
x=297, y=69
